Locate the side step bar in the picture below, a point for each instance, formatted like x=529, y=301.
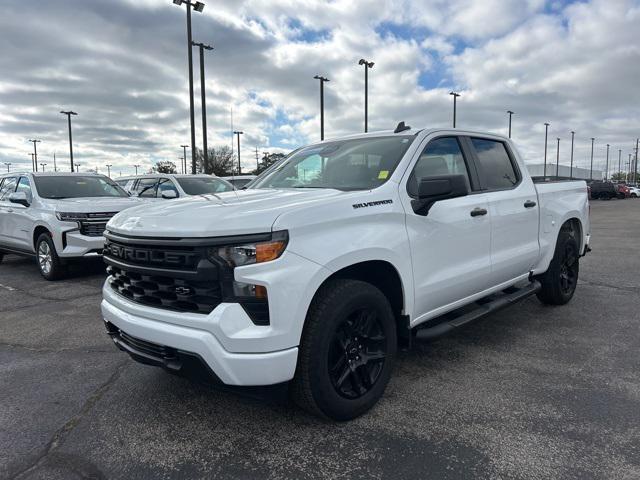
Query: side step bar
x=484, y=307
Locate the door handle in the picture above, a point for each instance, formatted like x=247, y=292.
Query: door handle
x=529, y=204
x=476, y=212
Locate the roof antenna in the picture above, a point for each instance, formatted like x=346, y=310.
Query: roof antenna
x=401, y=128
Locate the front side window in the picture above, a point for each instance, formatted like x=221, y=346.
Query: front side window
x=204, y=185
x=356, y=164
x=76, y=186
x=495, y=164
x=25, y=186
x=8, y=187
x=441, y=156
x=146, y=187
x=166, y=185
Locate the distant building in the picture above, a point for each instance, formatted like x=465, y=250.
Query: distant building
x=537, y=170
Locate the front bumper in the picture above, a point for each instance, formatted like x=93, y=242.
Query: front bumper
x=242, y=369
x=72, y=244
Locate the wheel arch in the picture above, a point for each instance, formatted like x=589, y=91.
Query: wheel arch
x=37, y=231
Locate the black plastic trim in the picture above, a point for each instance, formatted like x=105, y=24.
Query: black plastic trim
x=191, y=242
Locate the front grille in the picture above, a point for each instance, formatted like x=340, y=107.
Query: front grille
x=184, y=295
x=95, y=223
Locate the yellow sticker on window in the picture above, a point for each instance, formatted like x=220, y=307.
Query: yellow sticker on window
x=383, y=174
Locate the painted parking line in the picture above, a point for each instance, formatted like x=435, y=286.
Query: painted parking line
x=7, y=287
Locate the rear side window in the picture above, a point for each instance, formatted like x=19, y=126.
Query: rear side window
x=441, y=156
x=146, y=187
x=495, y=164
x=165, y=185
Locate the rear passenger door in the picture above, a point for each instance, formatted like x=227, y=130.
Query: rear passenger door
x=513, y=209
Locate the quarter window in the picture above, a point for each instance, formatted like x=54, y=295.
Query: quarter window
x=495, y=164
x=441, y=156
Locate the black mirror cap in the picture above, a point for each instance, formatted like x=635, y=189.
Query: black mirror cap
x=434, y=189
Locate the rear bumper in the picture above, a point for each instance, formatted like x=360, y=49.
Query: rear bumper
x=159, y=343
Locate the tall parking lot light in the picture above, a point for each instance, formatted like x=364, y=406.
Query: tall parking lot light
x=322, y=81
x=628, y=172
x=606, y=171
x=455, y=96
x=619, y=162
x=635, y=168
x=35, y=154
x=571, y=168
x=198, y=7
x=205, y=154
x=367, y=66
x=77, y=165
x=136, y=167
x=591, y=168
x=43, y=165
x=33, y=162
x=68, y=113
x=8, y=164
x=238, y=133
x=184, y=158
x=510, y=114
x=546, y=134
x=557, y=157
x=108, y=169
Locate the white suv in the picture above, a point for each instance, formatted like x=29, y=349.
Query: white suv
x=57, y=216
x=166, y=185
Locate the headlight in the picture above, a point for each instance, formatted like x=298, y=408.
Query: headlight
x=249, y=253
x=70, y=217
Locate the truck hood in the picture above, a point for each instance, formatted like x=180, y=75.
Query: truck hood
x=93, y=204
x=229, y=213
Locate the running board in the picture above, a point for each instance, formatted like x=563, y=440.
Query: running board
x=483, y=307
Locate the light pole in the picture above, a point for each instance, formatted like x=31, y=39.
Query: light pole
x=510, y=114
x=35, y=154
x=68, y=114
x=77, y=165
x=198, y=7
x=571, y=168
x=455, y=98
x=635, y=168
x=136, y=167
x=8, y=164
x=322, y=80
x=606, y=172
x=557, y=157
x=205, y=155
x=546, y=132
x=184, y=158
x=367, y=66
x=108, y=170
x=33, y=163
x=238, y=133
x=43, y=165
x=591, y=168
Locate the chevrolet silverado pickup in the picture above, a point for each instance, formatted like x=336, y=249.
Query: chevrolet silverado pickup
x=56, y=217
x=335, y=257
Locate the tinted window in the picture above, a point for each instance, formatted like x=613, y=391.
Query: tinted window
x=8, y=187
x=239, y=182
x=25, y=186
x=204, y=185
x=75, y=186
x=441, y=156
x=356, y=164
x=146, y=187
x=122, y=183
x=166, y=185
x=495, y=164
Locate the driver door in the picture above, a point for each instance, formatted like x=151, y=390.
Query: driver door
x=19, y=220
x=450, y=245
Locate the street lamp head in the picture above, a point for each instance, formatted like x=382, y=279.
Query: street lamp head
x=455, y=94
x=547, y=124
x=198, y=7
x=362, y=61
x=321, y=78
x=237, y=132
x=510, y=112
x=34, y=141
x=177, y=2
x=69, y=112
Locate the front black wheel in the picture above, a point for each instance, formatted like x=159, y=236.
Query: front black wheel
x=49, y=263
x=560, y=280
x=347, y=350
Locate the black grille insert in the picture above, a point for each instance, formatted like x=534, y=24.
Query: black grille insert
x=95, y=224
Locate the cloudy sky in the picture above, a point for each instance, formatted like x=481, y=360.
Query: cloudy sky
x=121, y=64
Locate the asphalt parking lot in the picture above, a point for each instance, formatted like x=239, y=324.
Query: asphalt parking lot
x=529, y=392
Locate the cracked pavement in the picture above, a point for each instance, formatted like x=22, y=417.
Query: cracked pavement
x=529, y=392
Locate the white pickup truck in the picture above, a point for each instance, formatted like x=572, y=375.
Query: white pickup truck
x=336, y=256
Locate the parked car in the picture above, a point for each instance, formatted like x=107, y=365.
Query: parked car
x=239, y=181
x=603, y=190
x=167, y=185
x=634, y=192
x=623, y=191
x=352, y=246
x=55, y=217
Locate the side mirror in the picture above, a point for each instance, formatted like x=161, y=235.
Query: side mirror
x=19, y=198
x=434, y=189
x=169, y=194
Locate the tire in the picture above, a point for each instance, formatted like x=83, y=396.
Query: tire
x=347, y=350
x=1, y=256
x=47, y=259
x=561, y=278
x=633, y=195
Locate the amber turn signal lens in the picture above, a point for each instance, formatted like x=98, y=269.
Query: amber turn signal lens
x=265, y=252
x=261, y=291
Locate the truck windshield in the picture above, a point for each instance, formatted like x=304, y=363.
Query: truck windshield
x=203, y=185
x=357, y=164
x=76, y=186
